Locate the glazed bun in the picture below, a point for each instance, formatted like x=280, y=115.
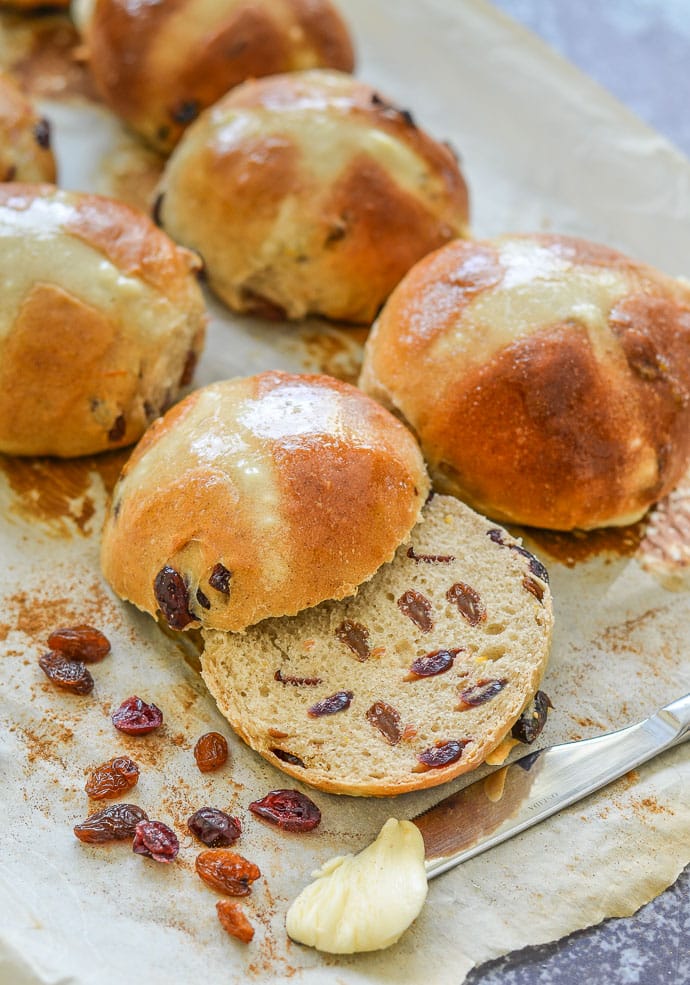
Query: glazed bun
x=309, y=194
x=547, y=378
x=25, y=153
x=260, y=497
x=157, y=65
x=101, y=322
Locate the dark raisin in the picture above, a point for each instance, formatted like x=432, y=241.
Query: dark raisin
x=356, y=637
x=214, y=828
x=185, y=111
x=296, y=681
x=429, y=558
x=442, y=754
x=112, y=779
x=173, y=598
x=155, y=840
x=408, y=118
x=288, y=809
x=432, y=664
x=135, y=717
x=202, y=599
x=70, y=675
x=113, y=823
x=417, y=608
x=220, y=579
x=480, y=693
x=533, y=719
x=118, y=429
x=156, y=210
x=332, y=704
x=188, y=369
x=535, y=565
x=386, y=719
x=227, y=872
x=233, y=920
x=468, y=601
x=496, y=535
x=42, y=134
x=533, y=587
x=288, y=757
x=211, y=751
x=80, y=643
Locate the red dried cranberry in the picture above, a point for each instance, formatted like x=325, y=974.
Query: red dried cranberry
x=113, y=823
x=332, y=704
x=171, y=593
x=70, y=675
x=470, y=605
x=135, y=717
x=155, y=840
x=432, y=664
x=386, y=719
x=442, y=754
x=288, y=809
x=417, y=608
x=533, y=719
x=80, y=643
x=211, y=751
x=356, y=637
x=112, y=779
x=214, y=828
x=480, y=693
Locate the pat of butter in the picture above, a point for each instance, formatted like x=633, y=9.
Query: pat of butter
x=364, y=902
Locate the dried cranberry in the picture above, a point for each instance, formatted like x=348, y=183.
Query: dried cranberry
x=233, y=919
x=172, y=596
x=296, y=681
x=135, y=717
x=211, y=751
x=155, y=840
x=470, y=605
x=214, y=828
x=113, y=823
x=480, y=693
x=533, y=719
x=332, y=704
x=113, y=778
x=220, y=579
x=417, y=608
x=288, y=809
x=71, y=675
x=431, y=664
x=429, y=558
x=533, y=587
x=442, y=754
x=80, y=643
x=288, y=757
x=227, y=872
x=355, y=636
x=386, y=719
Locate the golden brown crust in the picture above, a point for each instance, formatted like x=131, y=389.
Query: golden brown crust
x=101, y=321
x=25, y=153
x=309, y=193
x=159, y=65
x=299, y=486
x=536, y=401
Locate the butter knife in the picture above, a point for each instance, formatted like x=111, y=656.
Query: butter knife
x=530, y=789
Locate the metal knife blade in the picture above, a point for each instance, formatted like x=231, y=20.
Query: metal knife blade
x=532, y=788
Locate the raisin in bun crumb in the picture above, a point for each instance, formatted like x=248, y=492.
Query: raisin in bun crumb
x=547, y=378
x=25, y=153
x=464, y=587
x=258, y=497
x=309, y=193
x=102, y=321
x=158, y=65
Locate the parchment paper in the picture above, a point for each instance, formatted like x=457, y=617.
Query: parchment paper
x=543, y=148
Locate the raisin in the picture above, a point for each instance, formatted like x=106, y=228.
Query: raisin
x=480, y=693
x=227, y=872
x=296, y=681
x=155, y=840
x=441, y=754
x=288, y=809
x=417, y=608
x=113, y=823
x=211, y=751
x=71, y=675
x=532, y=721
x=233, y=920
x=356, y=637
x=220, y=579
x=202, y=599
x=135, y=717
x=386, y=719
x=332, y=704
x=431, y=664
x=156, y=215
x=533, y=587
x=535, y=565
x=118, y=429
x=429, y=558
x=496, y=535
x=470, y=605
x=214, y=828
x=42, y=133
x=112, y=779
x=185, y=111
x=80, y=643
x=187, y=374
x=288, y=757
x=173, y=598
